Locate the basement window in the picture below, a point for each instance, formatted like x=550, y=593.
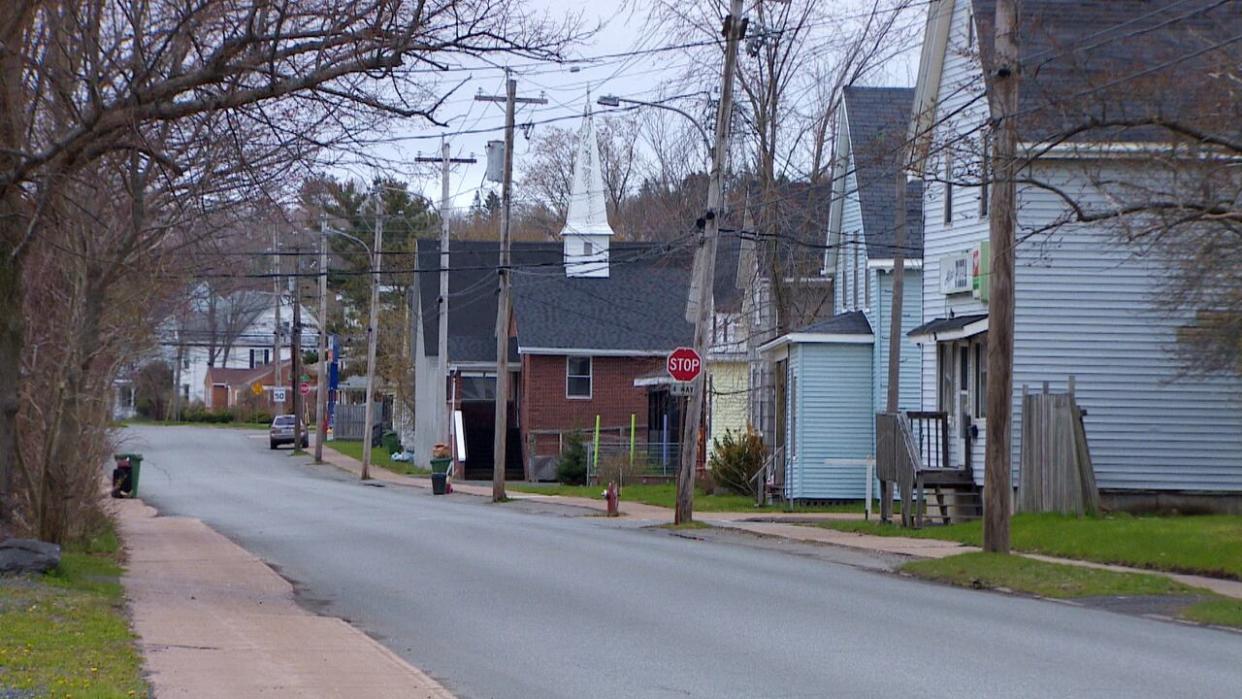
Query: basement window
x=577, y=377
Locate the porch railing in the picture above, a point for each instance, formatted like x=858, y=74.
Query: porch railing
x=930, y=431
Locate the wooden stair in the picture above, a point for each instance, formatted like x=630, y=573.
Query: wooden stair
x=946, y=497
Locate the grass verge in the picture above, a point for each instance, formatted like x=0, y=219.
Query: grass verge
x=1199, y=544
x=379, y=457
x=1061, y=581
x=665, y=495
x=65, y=633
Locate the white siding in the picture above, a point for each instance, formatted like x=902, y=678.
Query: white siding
x=850, y=246
x=835, y=420
x=910, y=396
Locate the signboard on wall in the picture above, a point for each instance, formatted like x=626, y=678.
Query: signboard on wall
x=981, y=260
x=955, y=273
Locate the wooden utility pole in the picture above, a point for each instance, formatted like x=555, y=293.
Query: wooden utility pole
x=894, y=326
x=321, y=384
x=295, y=350
x=1003, y=103
x=439, y=391
x=276, y=293
x=504, y=306
x=372, y=333
x=706, y=272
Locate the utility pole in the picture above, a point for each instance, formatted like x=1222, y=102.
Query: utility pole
x=276, y=321
x=894, y=326
x=1003, y=103
x=295, y=349
x=440, y=392
x=321, y=385
x=504, y=307
x=734, y=26
x=372, y=333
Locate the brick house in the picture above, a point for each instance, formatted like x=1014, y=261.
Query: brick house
x=592, y=324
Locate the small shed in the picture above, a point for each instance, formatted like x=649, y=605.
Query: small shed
x=825, y=417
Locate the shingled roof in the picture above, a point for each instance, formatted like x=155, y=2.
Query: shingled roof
x=877, y=119
x=1085, y=62
x=639, y=307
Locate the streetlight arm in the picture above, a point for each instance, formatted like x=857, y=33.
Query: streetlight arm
x=343, y=234
x=614, y=101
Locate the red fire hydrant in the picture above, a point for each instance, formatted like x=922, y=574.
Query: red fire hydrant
x=610, y=496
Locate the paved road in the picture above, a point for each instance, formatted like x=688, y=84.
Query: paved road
x=496, y=602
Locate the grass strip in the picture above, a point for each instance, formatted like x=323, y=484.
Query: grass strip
x=1198, y=544
x=1062, y=581
x=379, y=457
x=65, y=633
x=665, y=495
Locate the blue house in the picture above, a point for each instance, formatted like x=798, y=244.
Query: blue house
x=832, y=376
x=1088, y=303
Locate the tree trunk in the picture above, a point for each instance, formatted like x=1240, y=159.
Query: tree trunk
x=11, y=335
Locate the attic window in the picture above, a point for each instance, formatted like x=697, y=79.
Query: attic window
x=577, y=377
x=985, y=174
x=588, y=248
x=948, y=188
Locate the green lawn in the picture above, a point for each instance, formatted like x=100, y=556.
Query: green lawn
x=1202, y=544
x=1060, y=581
x=66, y=634
x=665, y=495
x=379, y=457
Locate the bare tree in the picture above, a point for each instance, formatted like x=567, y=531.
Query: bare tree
x=186, y=102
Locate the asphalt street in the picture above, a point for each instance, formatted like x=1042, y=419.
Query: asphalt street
x=498, y=602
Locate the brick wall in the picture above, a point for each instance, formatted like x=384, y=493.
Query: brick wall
x=613, y=397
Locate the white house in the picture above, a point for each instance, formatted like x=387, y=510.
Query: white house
x=1086, y=302
x=239, y=334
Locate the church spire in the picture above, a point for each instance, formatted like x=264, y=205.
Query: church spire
x=586, y=234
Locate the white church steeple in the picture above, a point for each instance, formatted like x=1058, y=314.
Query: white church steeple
x=587, y=234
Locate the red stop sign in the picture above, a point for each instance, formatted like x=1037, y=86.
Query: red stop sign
x=684, y=364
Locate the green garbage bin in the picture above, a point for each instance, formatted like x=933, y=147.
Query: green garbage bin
x=439, y=483
x=125, y=475
x=392, y=443
x=440, y=465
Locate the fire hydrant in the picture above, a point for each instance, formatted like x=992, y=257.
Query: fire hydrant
x=610, y=496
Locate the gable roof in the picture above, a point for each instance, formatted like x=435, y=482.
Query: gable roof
x=1123, y=59
x=877, y=119
x=1084, y=63
x=638, y=309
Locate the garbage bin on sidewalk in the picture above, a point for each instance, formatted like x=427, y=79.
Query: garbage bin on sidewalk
x=392, y=442
x=440, y=465
x=125, y=475
x=439, y=483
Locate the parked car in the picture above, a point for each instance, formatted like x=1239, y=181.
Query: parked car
x=281, y=431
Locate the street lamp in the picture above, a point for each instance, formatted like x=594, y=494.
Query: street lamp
x=615, y=101
x=372, y=333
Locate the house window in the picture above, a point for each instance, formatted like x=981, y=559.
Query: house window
x=185, y=363
x=185, y=391
x=985, y=174
x=981, y=377
x=948, y=189
x=588, y=248
x=577, y=377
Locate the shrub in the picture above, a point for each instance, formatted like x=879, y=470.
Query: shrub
x=735, y=460
x=616, y=468
x=261, y=417
x=572, y=468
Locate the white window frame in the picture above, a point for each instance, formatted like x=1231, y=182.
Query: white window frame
x=589, y=376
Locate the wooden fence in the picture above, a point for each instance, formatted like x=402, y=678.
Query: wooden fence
x=1057, y=475
x=348, y=423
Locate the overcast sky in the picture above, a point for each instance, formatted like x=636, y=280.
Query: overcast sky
x=639, y=76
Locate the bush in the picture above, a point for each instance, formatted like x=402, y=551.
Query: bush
x=261, y=417
x=572, y=468
x=616, y=468
x=736, y=458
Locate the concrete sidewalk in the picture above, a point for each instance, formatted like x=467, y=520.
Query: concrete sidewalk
x=632, y=510
x=938, y=548
x=215, y=621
